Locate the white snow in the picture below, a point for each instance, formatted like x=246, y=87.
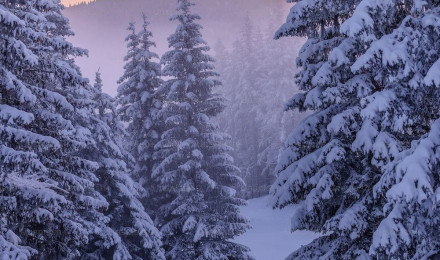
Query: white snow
x=270, y=237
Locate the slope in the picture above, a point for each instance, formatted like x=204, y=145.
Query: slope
x=269, y=238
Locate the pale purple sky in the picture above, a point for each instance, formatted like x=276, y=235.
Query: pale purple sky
x=101, y=27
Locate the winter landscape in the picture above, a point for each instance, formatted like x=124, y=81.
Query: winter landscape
x=219, y=130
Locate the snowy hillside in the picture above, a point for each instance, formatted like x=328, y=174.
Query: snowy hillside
x=270, y=238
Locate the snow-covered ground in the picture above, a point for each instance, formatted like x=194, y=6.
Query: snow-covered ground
x=270, y=237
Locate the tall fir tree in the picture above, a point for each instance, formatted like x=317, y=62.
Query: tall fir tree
x=48, y=198
x=139, y=103
x=128, y=231
x=274, y=81
x=403, y=111
x=194, y=176
x=16, y=103
x=240, y=116
x=363, y=167
x=255, y=83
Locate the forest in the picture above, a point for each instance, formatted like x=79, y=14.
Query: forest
x=342, y=133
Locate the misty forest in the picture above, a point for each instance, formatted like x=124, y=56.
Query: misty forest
x=219, y=130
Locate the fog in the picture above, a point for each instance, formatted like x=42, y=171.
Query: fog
x=101, y=26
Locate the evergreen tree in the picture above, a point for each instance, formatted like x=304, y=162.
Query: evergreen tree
x=320, y=170
x=255, y=84
x=48, y=198
x=15, y=117
x=127, y=231
x=273, y=83
x=404, y=111
x=240, y=116
x=222, y=58
x=194, y=177
x=362, y=168
x=139, y=103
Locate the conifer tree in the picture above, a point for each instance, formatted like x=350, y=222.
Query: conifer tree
x=403, y=111
x=319, y=170
x=127, y=231
x=16, y=102
x=362, y=168
x=240, y=116
x=139, y=102
x=222, y=59
x=48, y=198
x=255, y=83
x=274, y=80
x=194, y=176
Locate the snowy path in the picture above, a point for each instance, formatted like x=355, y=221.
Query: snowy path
x=270, y=238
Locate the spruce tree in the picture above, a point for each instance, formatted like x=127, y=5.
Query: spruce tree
x=362, y=167
x=404, y=112
x=139, y=103
x=194, y=176
x=255, y=84
x=318, y=170
x=274, y=81
x=16, y=102
x=240, y=116
x=127, y=231
x=48, y=198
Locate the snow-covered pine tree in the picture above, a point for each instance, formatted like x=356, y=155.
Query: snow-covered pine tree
x=401, y=116
x=199, y=212
x=363, y=167
x=273, y=82
x=319, y=170
x=255, y=84
x=222, y=58
x=127, y=231
x=240, y=116
x=138, y=102
x=47, y=189
x=16, y=102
